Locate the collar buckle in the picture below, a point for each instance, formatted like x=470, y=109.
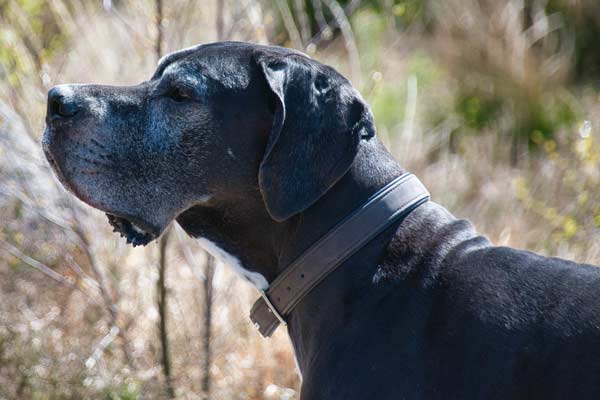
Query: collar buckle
x=272, y=308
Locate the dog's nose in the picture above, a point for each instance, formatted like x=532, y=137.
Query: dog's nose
x=61, y=103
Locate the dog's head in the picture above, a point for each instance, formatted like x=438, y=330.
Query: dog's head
x=213, y=122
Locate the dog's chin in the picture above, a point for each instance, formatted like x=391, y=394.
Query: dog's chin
x=135, y=232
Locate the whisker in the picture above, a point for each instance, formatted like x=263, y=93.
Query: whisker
x=98, y=144
x=91, y=161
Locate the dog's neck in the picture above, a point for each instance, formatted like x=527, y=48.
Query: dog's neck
x=241, y=226
x=373, y=168
x=244, y=230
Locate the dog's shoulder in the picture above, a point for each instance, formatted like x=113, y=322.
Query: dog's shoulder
x=429, y=238
x=438, y=252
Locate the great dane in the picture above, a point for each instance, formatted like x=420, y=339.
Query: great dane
x=260, y=151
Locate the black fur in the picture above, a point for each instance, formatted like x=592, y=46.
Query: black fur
x=267, y=152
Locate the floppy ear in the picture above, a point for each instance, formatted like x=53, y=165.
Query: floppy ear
x=319, y=120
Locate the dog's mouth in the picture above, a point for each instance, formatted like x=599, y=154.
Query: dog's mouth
x=135, y=232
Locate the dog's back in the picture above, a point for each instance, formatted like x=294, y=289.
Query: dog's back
x=457, y=318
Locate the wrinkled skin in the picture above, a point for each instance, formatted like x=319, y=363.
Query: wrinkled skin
x=145, y=153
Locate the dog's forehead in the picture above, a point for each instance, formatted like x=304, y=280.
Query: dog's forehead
x=230, y=67
x=220, y=57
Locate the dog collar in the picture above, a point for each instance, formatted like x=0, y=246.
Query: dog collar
x=392, y=202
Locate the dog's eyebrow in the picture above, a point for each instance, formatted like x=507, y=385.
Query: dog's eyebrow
x=168, y=59
x=170, y=77
x=164, y=62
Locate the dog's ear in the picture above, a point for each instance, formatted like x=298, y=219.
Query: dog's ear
x=318, y=122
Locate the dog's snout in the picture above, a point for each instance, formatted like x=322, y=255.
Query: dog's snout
x=62, y=103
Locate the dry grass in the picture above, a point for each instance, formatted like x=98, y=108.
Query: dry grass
x=78, y=315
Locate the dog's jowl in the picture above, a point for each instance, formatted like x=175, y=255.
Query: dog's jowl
x=271, y=159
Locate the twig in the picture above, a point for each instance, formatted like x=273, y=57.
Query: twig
x=342, y=21
x=320, y=36
x=43, y=268
x=161, y=288
x=159, y=29
x=161, y=292
x=288, y=22
x=38, y=265
x=319, y=16
x=93, y=359
x=207, y=338
x=85, y=278
x=300, y=9
x=220, y=19
x=411, y=108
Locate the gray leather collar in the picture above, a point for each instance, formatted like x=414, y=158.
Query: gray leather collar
x=392, y=202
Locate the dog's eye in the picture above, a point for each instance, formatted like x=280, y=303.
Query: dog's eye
x=179, y=94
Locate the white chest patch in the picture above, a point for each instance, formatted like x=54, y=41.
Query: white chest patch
x=257, y=279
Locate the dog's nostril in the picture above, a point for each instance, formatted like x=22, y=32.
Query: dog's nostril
x=54, y=107
x=61, y=106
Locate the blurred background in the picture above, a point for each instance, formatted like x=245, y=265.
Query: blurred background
x=493, y=104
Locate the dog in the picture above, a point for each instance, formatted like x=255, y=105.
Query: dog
x=258, y=152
